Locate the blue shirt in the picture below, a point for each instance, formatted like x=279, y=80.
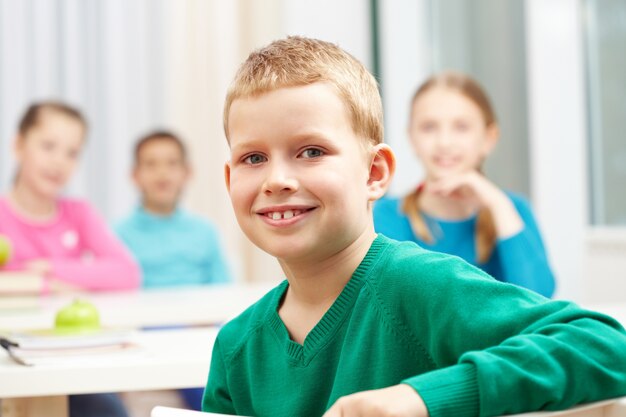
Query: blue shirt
x=519, y=259
x=180, y=249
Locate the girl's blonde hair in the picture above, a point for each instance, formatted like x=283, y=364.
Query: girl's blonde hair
x=298, y=61
x=485, y=227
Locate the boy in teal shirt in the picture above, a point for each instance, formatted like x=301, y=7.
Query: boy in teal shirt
x=364, y=325
x=173, y=247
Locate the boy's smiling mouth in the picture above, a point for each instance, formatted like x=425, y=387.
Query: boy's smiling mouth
x=284, y=214
x=287, y=214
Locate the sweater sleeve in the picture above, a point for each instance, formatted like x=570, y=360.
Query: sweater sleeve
x=501, y=349
x=216, y=397
x=523, y=257
x=107, y=264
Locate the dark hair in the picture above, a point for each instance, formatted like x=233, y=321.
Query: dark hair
x=160, y=135
x=33, y=114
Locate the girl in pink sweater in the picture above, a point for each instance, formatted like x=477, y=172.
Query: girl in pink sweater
x=60, y=238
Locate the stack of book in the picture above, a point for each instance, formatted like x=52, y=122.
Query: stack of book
x=20, y=283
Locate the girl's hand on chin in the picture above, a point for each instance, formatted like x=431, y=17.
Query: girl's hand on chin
x=471, y=186
x=399, y=400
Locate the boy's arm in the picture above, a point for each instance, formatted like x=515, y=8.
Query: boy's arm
x=216, y=394
x=500, y=349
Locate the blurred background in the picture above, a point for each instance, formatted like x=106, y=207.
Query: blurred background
x=555, y=70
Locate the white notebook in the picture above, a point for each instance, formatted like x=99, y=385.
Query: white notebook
x=177, y=412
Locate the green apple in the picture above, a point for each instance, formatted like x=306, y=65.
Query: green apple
x=79, y=316
x=5, y=250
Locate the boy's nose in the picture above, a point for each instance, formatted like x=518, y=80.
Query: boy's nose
x=279, y=180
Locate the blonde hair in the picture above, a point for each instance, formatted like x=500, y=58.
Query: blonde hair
x=298, y=61
x=485, y=226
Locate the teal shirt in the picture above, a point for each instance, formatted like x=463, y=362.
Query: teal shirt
x=519, y=259
x=175, y=250
x=470, y=345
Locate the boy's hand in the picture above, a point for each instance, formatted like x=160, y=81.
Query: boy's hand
x=399, y=400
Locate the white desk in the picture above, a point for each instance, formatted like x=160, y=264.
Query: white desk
x=169, y=359
x=178, y=358
x=157, y=307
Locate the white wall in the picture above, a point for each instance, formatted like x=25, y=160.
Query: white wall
x=345, y=22
x=558, y=151
x=406, y=53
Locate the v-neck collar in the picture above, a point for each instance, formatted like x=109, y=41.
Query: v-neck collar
x=332, y=319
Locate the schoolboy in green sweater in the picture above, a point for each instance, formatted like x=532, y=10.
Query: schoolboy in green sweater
x=364, y=325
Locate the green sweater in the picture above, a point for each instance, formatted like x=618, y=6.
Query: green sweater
x=470, y=345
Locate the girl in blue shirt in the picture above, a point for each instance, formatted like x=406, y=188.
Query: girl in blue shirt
x=456, y=209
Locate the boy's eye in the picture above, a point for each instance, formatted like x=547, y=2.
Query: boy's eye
x=312, y=153
x=255, y=159
x=48, y=145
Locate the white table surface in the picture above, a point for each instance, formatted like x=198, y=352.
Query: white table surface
x=156, y=307
x=165, y=359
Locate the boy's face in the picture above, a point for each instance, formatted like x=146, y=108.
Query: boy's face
x=160, y=173
x=298, y=174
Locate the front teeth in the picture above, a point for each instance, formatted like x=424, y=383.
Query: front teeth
x=287, y=214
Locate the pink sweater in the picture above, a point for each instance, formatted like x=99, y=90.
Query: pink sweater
x=81, y=249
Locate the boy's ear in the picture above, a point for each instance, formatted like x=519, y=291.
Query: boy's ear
x=381, y=171
x=227, y=175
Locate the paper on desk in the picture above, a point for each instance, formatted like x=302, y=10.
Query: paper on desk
x=90, y=355
x=46, y=347
x=53, y=339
